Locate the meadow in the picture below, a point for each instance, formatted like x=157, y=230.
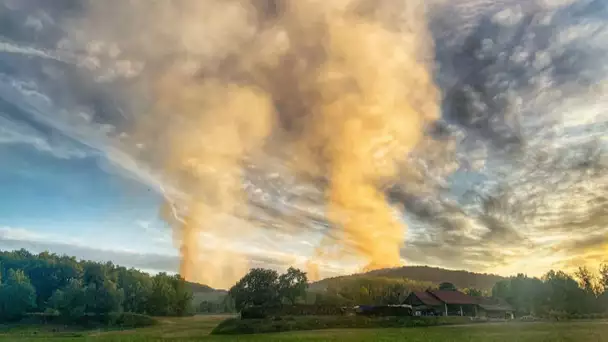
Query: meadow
x=198, y=328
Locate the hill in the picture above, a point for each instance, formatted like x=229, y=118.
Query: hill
x=461, y=279
x=204, y=293
x=200, y=288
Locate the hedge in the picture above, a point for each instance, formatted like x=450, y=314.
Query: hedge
x=235, y=326
x=258, y=312
x=384, y=311
x=563, y=316
x=113, y=319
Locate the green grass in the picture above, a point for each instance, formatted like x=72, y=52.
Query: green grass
x=198, y=329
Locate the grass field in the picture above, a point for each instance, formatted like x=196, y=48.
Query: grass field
x=198, y=329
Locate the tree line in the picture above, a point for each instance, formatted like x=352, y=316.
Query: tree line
x=557, y=293
x=267, y=287
x=63, y=286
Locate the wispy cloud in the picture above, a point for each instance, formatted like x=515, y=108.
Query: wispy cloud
x=15, y=133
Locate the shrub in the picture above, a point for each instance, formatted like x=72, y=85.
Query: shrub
x=255, y=312
x=385, y=311
x=49, y=317
x=259, y=312
x=133, y=320
x=112, y=319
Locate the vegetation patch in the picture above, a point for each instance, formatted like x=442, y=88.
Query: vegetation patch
x=235, y=326
x=258, y=312
x=126, y=320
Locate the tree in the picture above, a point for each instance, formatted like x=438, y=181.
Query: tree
x=447, y=287
x=71, y=301
x=604, y=277
x=17, y=295
x=137, y=287
x=293, y=285
x=182, y=300
x=564, y=293
x=162, y=296
x=473, y=292
x=75, y=288
x=586, y=280
x=258, y=287
x=103, y=298
x=49, y=272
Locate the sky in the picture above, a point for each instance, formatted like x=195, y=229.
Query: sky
x=521, y=186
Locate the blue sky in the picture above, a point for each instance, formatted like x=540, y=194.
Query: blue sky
x=519, y=186
x=78, y=200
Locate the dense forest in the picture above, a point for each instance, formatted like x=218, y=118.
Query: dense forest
x=63, y=286
x=557, y=293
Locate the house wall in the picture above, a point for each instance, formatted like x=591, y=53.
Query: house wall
x=468, y=310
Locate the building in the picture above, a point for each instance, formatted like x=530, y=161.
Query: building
x=456, y=303
x=494, y=308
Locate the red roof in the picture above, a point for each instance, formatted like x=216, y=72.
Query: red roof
x=453, y=297
x=427, y=298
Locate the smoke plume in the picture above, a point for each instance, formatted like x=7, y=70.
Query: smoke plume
x=340, y=91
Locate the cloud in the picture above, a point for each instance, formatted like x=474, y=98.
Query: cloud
x=524, y=113
x=15, y=133
x=16, y=238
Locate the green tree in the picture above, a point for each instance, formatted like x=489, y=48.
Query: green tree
x=182, y=300
x=70, y=301
x=49, y=272
x=603, y=288
x=603, y=278
x=17, y=295
x=103, y=298
x=137, y=288
x=564, y=293
x=162, y=296
x=293, y=285
x=447, y=287
x=258, y=287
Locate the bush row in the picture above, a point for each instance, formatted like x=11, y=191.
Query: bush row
x=563, y=316
x=113, y=319
x=259, y=312
x=235, y=326
x=384, y=311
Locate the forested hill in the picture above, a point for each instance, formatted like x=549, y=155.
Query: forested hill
x=196, y=288
x=67, y=287
x=461, y=279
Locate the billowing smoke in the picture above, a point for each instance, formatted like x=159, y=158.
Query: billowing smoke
x=341, y=87
x=340, y=91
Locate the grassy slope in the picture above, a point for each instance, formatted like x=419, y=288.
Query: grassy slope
x=198, y=328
